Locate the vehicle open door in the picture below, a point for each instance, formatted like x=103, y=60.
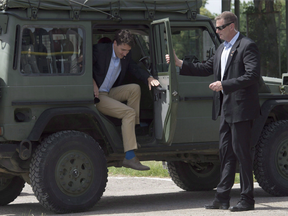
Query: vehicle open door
x=166, y=96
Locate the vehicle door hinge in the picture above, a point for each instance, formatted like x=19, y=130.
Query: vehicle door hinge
x=32, y=12
x=174, y=93
x=191, y=14
x=115, y=13
x=75, y=14
x=150, y=13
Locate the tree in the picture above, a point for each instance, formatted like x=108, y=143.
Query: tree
x=263, y=29
x=205, y=12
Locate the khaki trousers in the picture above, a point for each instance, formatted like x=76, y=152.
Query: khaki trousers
x=111, y=104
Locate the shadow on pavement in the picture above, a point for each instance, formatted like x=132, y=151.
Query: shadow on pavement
x=147, y=203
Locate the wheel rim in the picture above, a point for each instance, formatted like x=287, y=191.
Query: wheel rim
x=201, y=169
x=282, y=159
x=74, y=173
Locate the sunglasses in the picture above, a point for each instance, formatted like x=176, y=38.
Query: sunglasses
x=223, y=26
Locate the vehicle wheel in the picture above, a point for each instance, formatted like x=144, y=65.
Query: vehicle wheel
x=68, y=172
x=271, y=159
x=194, y=177
x=10, y=189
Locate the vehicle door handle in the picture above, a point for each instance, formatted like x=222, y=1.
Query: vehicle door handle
x=160, y=89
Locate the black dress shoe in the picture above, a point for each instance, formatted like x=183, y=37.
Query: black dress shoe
x=217, y=205
x=242, y=206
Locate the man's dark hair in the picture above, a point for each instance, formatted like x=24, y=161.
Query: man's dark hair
x=124, y=36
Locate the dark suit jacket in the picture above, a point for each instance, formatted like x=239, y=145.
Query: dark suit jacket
x=240, y=81
x=102, y=53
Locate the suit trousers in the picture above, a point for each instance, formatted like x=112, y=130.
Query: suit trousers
x=235, y=145
x=111, y=104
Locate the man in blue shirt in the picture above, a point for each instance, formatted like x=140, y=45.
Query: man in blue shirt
x=111, y=61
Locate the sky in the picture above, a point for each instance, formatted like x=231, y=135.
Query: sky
x=215, y=6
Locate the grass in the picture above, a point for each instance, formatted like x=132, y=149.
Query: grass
x=156, y=170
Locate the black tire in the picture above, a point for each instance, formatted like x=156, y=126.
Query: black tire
x=10, y=189
x=191, y=177
x=68, y=172
x=271, y=159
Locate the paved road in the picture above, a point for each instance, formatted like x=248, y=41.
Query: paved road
x=151, y=196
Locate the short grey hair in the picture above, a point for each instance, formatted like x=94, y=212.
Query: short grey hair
x=228, y=17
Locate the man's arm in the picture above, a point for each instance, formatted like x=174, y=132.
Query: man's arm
x=142, y=74
x=192, y=69
x=95, y=89
x=178, y=62
x=152, y=82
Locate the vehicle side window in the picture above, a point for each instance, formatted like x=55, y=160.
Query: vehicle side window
x=193, y=42
x=159, y=35
x=48, y=51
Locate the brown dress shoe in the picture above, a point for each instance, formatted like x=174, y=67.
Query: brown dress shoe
x=134, y=163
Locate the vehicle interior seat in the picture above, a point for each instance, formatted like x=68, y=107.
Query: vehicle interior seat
x=28, y=58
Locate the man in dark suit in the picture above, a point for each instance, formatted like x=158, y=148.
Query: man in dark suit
x=236, y=69
x=111, y=62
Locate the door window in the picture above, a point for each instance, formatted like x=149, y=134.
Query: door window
x=48, y=51
x=192, y=43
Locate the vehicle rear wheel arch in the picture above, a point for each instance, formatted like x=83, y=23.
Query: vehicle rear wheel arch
x=271, y=110
x=58, y=119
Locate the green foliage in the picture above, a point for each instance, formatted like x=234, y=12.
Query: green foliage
x=244, y=9
x=265, y=24
x=205, y=12
x=204, y=2
x=282, y=38
x=188, y=42
x=237, y=178
x=156, y=170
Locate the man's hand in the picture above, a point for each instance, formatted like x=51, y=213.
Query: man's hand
x=216, y=86
x=178, y=62
x=152, y=82
x=96, y=89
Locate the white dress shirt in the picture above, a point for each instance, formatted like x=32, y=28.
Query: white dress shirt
x=225, y=53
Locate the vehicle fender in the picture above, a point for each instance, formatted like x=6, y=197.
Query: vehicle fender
x=48, y=114
x=259, y=123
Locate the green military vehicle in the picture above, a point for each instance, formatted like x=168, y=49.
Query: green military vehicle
x=51, y=134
